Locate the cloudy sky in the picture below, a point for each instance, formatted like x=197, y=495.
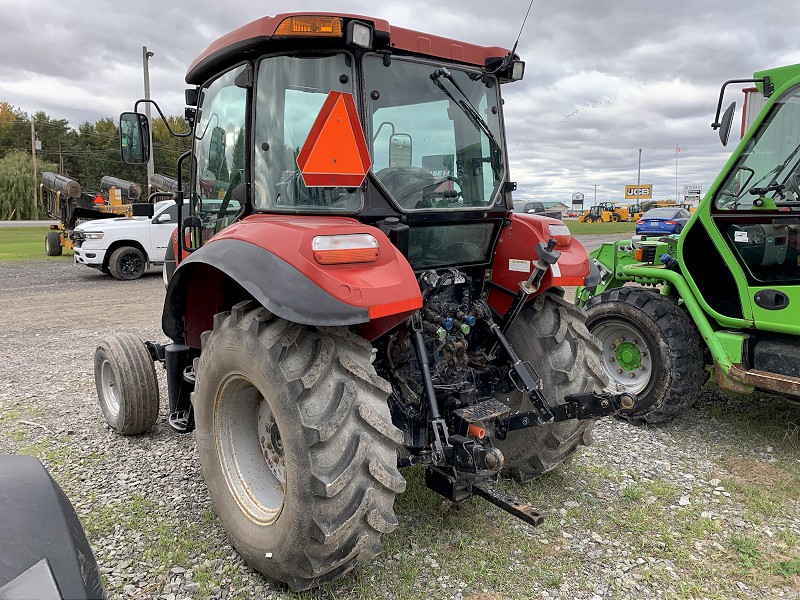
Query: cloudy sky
x=603, y=78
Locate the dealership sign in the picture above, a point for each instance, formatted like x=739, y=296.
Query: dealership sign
x=638, y=192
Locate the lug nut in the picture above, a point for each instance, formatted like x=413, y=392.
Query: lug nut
x=642, y=368
x=612, y=359
x=619, y=371
x=632, y=375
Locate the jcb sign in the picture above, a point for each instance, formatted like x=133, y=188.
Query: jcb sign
x=638, y=192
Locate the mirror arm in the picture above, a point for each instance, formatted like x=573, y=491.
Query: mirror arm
x=163, y=118
x=768, y=89
x=178, y=198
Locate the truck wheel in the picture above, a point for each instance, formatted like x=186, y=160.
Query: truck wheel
x=126, y=384
x=52, y=243
x=296, y=444
x=127, y=263
x=650, y=347
x=551, y=334
x=616, y=217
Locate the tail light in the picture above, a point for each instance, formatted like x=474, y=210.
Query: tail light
x=345, y=249
x=561, y=234
x=670, y=222
x=640, y=222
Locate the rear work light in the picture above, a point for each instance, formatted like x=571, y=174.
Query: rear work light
x=310, y=26
x=345, y=249
x=561, y=234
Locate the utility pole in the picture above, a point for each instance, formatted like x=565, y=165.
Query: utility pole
x=677, y=151
x=639, y=170
x=145, y=56
x=595, y=194
x=35, y=175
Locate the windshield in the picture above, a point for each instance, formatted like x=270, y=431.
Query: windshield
x=434, y=134
x=769, y=165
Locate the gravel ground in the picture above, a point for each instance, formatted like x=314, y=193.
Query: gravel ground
x=704, y=507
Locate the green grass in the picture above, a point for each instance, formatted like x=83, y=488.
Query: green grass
x=25, y=243
x=599, y=228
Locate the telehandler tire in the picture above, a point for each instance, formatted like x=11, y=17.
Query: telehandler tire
x=126, y=383
x=650, y=347
x=296, y=444
x=551, y=335
x=52, y=243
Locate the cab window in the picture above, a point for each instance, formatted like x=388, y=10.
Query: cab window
x=219, y=150
x=290, y=93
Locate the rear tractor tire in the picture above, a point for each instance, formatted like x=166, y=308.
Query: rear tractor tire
x=127, y=263
x=551, y=335
x=126, y=383
x=651, y=348
x=52, y=243
x=296, y=444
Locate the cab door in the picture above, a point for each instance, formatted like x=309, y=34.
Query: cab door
x=757, y=212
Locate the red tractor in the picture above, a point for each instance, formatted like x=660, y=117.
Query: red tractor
x=360, y=298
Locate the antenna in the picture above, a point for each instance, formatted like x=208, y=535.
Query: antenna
x=519, y=35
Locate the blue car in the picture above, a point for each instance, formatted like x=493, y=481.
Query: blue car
x=662, y=221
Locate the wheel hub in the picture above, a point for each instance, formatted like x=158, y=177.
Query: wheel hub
x=108, y=383
x=250, y=449
x=269, y=438
x=628, y=356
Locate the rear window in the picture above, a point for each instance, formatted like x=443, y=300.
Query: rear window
x=660, y=213
x=449, y=245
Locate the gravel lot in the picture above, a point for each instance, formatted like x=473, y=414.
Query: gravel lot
x=704, y=507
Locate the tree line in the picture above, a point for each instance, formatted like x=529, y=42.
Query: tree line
x=86, y=154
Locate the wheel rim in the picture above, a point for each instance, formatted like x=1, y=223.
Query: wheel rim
x=108, y=385
x=130, y=264
x=627, y=355
x=250, y=450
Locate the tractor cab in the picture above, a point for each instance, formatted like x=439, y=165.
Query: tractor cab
x=749, y=233
x=735, y=268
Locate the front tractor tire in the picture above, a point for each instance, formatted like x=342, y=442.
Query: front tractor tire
x=126, y=383
x=651, y=348
x=550, y=334
x=296, y=444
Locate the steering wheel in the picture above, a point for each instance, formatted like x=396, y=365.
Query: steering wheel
x=794, y=183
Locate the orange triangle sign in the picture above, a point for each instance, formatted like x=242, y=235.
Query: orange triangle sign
x=335, y=151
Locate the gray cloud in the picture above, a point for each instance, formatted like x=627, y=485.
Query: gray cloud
x=603, y=79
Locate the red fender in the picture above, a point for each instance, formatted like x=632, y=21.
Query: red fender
x=515, y=251
x=384, y=291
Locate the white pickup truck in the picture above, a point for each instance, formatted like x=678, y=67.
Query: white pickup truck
x=125, y=247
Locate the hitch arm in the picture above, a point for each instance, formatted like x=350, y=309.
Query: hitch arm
x=586, y=405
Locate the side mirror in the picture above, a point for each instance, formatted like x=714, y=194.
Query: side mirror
x=165, y=218
x=134, y=138
x=725, y=124
x=400, y=150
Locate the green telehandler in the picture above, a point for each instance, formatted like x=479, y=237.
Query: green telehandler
x=726, y=291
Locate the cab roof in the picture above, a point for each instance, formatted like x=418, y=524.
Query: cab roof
x=248, y=39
